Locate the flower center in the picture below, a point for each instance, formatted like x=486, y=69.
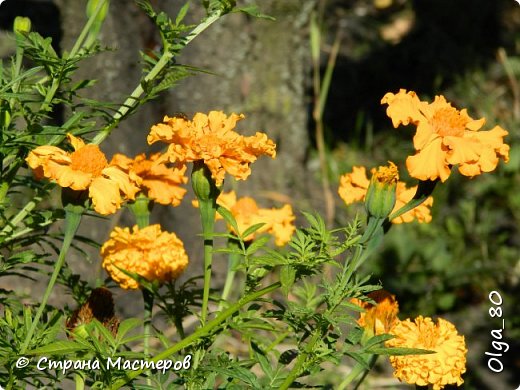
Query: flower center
x=447, y=121
x=89, y=159
x=386, y=174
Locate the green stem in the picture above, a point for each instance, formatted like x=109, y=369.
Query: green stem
x=207, y=214
x=72, y=219
x=233, y=261
x=371, y=362
x=83, y=35
x=141, y=210
x=205, y=331
x=79, y=379
x=20, y=216
x=300, y=361
x=148, y=309
x=133, y=99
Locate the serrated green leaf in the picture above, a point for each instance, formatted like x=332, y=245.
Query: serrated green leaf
x=251, y=229
x=287, y=277
x=256, y=245
x=182, y=13
x=228, y=217
x=253, y=11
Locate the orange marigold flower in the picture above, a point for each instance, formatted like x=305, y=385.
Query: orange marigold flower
x=278, y=222
x=148, y=252
x=85, y=168
x=211, y=138
x=439, y=369
x=353, y=188
x=159, y=182
x=445, y=137
x=381, y=317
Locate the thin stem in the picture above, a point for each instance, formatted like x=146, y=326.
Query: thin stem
x=148, y=311
x=79, y=379
x=72, y=220
x=82, y=36
x=133, y=99
x=371, y=362
x=207, y=214
x=233, y=261
x=77, y=46
x=205, y=331
x=300, y=361
x=20, y=216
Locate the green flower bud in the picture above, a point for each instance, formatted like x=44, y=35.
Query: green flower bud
x=22, y=24
x=203, y=184
x=380, y=197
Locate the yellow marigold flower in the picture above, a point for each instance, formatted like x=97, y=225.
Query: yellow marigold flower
x=211, y=138
x=85, y=168
x=445, y=137
x=439, y=369
x=278, y=222
x=148, y=252
x=160, y=182
x=353, y=188
x=381, y=317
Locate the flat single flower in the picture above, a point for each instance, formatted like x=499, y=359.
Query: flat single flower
x=158, y=181
x=438, y=369
x=212, y=139
x=278, y=222
x=445, y=137
x=85, y=168
x=149, y=252
x=353, y=188
x=381, y=317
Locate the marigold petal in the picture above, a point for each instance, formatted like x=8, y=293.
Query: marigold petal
x=353, y=186
x=463, y=150
x=420, y=213
x=429, y=163
x=67, y=177
x=122, y=180
x=76, y=142
x=105, y=195
x=403, y=107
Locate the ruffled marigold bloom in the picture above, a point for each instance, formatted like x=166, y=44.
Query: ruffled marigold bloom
x=381, y=317
x=278, y=222
x=445, y=137
x=160, y=182
x=353, y=188
x=148, y=252
x=439, y=369
x=85, y=168
x=211, y=138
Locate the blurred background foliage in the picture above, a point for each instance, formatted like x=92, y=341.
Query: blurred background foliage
x=467, y=50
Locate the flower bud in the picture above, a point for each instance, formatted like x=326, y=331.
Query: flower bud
x=22, y=24
x=380, y=197
x=203, y=184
